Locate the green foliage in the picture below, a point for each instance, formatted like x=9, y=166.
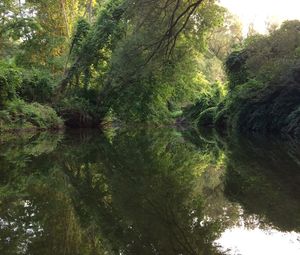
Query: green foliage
x=99, y=41
x=221, y=117
x=236, y=70
x=32, y=86
x=263, y=88
x=265, y=58
x=255, y=106
x=226, y=38
x=136, y=86
x=80, y=34
x=37, y=86
x=78, y=189
x=78, y=112
x=206, y=118
x=10, y=81
x=19, y=115
x=3, y=90
x=117, y=56
x=205, y=109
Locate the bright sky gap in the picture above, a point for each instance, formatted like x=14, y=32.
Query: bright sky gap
x=259, y=12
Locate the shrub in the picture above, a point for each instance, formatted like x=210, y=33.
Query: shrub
x=206, y=118
x=21, y=115
x=236, y=69
x=221, y=117
x=37, y=86
x=271, y=107
x=78, y=112
x=3, y=91
x=10, y=81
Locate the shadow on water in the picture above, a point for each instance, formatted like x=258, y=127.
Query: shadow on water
x=141, y=191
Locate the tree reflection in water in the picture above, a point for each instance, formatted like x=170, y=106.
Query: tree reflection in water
x=140, y=191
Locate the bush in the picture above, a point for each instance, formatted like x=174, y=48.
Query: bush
x=264, y=84
x=236, y=69
x=78, y=112
x=271, y=107
x=206, y=118
x=221, y=117
x=211, y=97
x=31, y=85
x=36, y=86
x=10, y=81
x=3, y=91
x=19, y=115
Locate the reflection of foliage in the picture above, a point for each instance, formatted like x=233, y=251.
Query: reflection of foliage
x=23, y=148
x=263, y=176
x=150, y=197
x=36, y=211
x=139, y=193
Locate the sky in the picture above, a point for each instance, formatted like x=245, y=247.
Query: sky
x=245, y=241
x=259, y=12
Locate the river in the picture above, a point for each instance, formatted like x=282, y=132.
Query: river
x=148, y=191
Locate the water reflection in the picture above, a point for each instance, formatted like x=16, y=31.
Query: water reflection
x=143, y=192
x=263, y=175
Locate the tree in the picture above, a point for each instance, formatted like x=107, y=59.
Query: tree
x=225, y=39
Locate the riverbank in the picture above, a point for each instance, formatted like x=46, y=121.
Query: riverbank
x=18, y=115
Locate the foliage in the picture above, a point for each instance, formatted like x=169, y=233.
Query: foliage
x=21, y=115
x=75, y=192
x=264, y=82
x=235, y=67
x=139, y=84
x=37, y=86
x=263, y=87
x=206, y=118
x=262, y=175
x=33, y=86
x=226, y=38
x=98, y=44
x=211, y=97
x=164, y=81
x=78, y=112
x=10, y=81
x=135, y=56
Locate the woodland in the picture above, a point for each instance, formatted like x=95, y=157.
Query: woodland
x=100, y=63
x=146, y=127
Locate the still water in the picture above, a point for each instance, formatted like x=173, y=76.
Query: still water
x=148, y=191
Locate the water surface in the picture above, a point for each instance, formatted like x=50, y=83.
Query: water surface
x=148, y=191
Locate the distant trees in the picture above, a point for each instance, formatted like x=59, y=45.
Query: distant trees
x=263, y=86
x=226, y=38
x=267, y=57
x=264, y=82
